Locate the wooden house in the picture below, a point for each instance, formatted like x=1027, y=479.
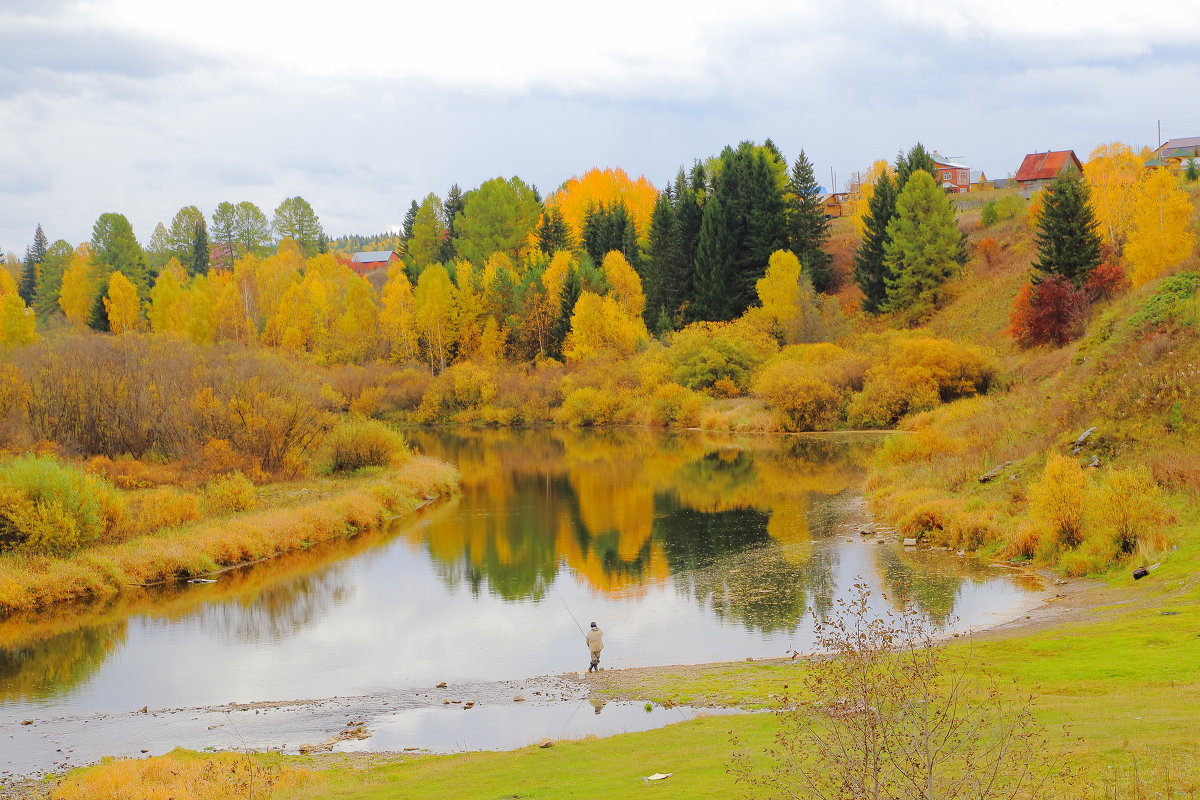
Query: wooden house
x=1174, y=154
x=953, y=177
x=980, y=182
x=367, y=260
x=1038, y=169
x=835, y=204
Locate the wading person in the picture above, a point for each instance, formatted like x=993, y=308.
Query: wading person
x=595, y=643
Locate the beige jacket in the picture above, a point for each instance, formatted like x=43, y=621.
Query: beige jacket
x=595, y=640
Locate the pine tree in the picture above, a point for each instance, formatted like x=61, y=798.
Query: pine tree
x=662, y=255
x=870, y=270
x=924, y=246
x=1192, y=173
x=553, y=232
x=742, y=224
x=691, y=195
x=1067, y=240
x=906, y=164
x=451, y=208
x=35, y=255
x=808, y=229
x=200, y=249
x=609, y=227
x=410, y=219
x=572, y=289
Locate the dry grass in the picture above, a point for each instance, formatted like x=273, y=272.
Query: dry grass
x=28, y=582
x=182, y=775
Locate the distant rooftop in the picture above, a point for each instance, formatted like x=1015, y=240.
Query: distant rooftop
x=1179, y=147
x=1043, y=166
x=372, y=256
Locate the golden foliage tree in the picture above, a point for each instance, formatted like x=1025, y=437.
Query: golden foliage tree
x=434, y=315
x=625, y=284
x=78, y=292
x=789, y=301
x=861, y=190
x=168, y=311
x=17, y=322
x=601, y=324
x=397, y=319
x=122, y=305
x=1112, y=173
x=605, y=187
x=1161, y=236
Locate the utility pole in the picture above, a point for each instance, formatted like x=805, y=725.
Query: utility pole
x=1160, y=133
x=832, y=182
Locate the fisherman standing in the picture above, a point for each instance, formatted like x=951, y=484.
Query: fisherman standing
x=595, y=643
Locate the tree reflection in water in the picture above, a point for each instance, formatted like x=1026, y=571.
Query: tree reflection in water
x=731, y=520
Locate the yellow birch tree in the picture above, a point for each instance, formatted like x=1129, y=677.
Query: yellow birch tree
x=397, y=320
x=625, y=283
x=1112, y=174
x=168, y=311
x=78, y=292
x=1161, y=236
x=122, y=304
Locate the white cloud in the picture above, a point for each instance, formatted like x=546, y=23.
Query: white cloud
x=132, y=105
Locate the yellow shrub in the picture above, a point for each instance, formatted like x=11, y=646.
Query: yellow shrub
x=218, y=457
x=1129, y=505
x=672, y=404
x=229, y=493
x=837, y=365
x=803, y=400
x=355, y=443
x=589, y=406
x=1058, y=500
x=927, y=521
x=890, y=393
x=50, y=507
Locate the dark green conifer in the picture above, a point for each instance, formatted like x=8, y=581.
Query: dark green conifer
x=808, y=229
x=1067, y=241
x=35, y=255
x=870, y=270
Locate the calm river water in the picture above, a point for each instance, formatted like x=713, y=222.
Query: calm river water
x=685, y=548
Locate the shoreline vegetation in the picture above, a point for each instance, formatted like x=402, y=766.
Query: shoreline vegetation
x=350, y=506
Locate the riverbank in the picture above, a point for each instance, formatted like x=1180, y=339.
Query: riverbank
x=295, y=522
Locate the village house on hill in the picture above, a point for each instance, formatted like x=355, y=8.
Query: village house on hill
x=1038, y=169
x=1174, y=154
x=364, y=261
x=952, y=177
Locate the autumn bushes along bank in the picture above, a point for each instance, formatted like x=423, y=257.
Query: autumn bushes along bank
x=141, y=557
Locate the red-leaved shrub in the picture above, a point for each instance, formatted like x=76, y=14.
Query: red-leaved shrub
x=1048, y=312
x=1106, y=281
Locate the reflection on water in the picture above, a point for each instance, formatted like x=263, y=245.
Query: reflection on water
x=687, y=548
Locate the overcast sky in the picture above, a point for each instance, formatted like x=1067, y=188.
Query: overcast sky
x=360, y=106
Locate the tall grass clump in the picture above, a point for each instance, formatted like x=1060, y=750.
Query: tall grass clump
x=182, y=775
x=226, y=494
x=358, y=442
x=47, y=507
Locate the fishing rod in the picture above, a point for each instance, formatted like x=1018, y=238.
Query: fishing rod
x=568, y=608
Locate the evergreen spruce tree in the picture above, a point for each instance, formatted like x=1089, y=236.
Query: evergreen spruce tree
x=870, y=270
x=1192, y=173
x=662, y=257
x=916, y=158
x=451, y=208
x=691, y=195
x=742, y=224
x=572, y=288
x=924, y=246
x=808, y=229
x=49, y=278
x=35, y=255
x=410, y=219
x=609, y=227
x=200, y=254
x=554, y=233
x=1067, y=240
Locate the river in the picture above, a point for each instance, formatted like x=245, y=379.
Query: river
x=684, y=548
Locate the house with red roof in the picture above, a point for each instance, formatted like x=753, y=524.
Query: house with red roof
x=1038, y=169
x=367, y=260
